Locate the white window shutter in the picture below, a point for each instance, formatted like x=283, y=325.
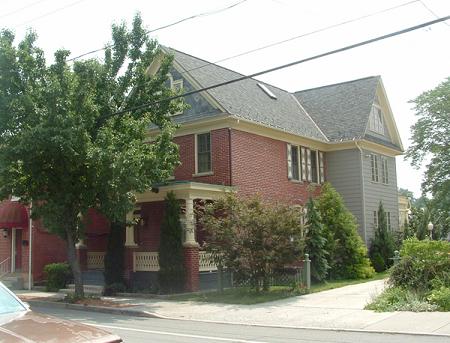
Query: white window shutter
x=303, y=162
x=308, y=163
x=289, y=161
x=321, y=168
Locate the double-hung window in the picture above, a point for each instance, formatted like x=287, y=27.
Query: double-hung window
x=384, y=170
x=203, y=153
x=374, y=167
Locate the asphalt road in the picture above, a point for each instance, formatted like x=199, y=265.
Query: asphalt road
x=133, y=329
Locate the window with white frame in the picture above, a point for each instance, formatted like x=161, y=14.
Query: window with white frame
x=305, y=164
x=388, y=220
x=203, y=153
x=376, y=121
x=384, y=170
x=374, y=167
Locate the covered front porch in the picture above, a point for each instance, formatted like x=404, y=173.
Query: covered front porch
x=142, y=239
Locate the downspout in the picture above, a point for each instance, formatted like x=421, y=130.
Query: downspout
x=30, y=246
x=363, y=191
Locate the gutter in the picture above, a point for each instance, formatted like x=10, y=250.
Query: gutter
x=363, y=191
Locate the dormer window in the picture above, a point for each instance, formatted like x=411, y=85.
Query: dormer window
x=376, y=122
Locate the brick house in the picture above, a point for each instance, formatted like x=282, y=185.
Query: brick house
x=253, y=137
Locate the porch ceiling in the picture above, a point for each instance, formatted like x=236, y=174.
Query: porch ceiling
x=185, y=190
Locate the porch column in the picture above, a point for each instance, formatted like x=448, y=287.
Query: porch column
x=81, y=248
x=191, y=247
x=130, y=246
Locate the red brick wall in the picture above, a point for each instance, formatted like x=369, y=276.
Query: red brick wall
x=220, y=158
x=5, y=245
x=259, y=166
x=148, y=235
x=47, y=248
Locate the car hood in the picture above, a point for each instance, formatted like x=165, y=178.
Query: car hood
x=31, y=327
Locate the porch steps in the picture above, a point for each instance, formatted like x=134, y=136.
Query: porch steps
x=12, y=281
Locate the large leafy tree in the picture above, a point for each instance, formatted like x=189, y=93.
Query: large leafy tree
x=431, y=139
x=63, y=146
x=347, y=253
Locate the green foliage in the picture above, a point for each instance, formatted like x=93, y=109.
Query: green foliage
x=382, y=245
x=61, y=144
x=421, y=264
x=111, y=289
x=347, y=253
x=58, y=274
x=171, y=272
x=400, y=299
x=251, y=238
x=315, y=243
x=430, y=138
x=440, y=297
x=114, y=258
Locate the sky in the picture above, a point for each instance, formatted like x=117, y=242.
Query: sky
x=408, y=64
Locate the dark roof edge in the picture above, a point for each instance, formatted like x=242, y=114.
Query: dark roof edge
x=338, y=83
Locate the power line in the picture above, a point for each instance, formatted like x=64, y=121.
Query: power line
x=245, y=77
x=432, y=12
x=21, y=9
x=49, y=13
x=303, y=35
x=204, y=14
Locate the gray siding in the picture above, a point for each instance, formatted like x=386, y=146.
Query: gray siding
x=344, y=173
x=377, y=191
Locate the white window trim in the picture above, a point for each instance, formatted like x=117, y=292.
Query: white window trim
x=375, y=177
x=376, y=124
x=384, y=170
x=206, y=173
x=304, y=164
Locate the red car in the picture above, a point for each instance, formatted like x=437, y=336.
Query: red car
x=19, y=324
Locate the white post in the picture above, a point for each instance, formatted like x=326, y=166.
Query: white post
x=30, y=247
x=129, y=231
x=189, y=223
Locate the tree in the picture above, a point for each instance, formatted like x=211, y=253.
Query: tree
x=347, y=253
x=61, y=144
x=382, y=245
x=252, y=238
x=316, y=242
x=171, y=272
x=431, y=139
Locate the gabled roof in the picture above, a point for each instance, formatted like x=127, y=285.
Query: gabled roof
x=245, y=99
x=341, y=110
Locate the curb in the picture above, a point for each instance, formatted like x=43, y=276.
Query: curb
x=100, y=309
x=146, y=314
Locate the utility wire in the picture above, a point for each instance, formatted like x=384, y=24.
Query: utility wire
x=328, y=53
x=49, y=13
x=21, y=9
x=326, y=28
x=432, y=12
x=204, y=14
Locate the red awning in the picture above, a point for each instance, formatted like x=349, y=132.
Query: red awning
x=13, y=215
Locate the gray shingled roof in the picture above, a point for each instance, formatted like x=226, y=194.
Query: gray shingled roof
x=246, y=100
x=341, y=110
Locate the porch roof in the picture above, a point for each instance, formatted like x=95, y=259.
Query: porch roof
x=184, y=190
x=13, y=215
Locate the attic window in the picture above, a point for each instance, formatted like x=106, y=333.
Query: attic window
x=376, y=120
x=267, y=91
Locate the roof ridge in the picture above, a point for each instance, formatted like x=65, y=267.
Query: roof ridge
x=225, y=68
x=338, y=83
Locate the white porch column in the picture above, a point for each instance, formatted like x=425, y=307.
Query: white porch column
x=80, y=244
x=189, y=224
x=129, y=231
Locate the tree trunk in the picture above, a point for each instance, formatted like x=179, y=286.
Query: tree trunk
x=75, y=265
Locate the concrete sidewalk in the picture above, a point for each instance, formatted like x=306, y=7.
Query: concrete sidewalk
x=339, y=309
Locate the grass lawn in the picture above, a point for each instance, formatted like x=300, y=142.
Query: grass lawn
x=245, y=296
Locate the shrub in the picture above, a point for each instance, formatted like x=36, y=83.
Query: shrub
x=440, y=297
x=57, y=276
x=114, y=288
x=171, y=272
x=382, y=245
x=347, y=254
x=422, y=263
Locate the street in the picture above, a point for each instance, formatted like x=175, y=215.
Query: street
x=133, y=329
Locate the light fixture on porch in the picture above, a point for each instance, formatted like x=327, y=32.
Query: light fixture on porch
x=5, y=233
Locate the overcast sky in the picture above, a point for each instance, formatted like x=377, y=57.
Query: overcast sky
x=408, y=64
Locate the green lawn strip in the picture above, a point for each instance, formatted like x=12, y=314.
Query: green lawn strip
x=245, y=296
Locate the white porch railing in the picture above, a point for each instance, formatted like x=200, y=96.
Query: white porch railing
x=96, y=260
x=206, y=263
x=5, y=267
x=146, y=261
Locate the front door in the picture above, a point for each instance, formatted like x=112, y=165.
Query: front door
x=16, y=250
